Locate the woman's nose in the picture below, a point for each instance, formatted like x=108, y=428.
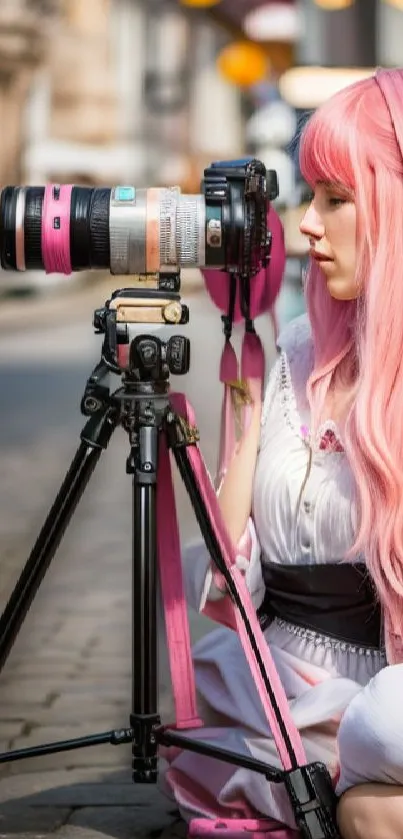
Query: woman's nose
x=311, y=224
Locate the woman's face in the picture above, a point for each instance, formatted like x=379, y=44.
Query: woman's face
x=330, y=224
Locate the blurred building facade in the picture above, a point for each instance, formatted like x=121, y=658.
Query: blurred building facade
x=129, y=91
x=105, y=90
x=25, y=34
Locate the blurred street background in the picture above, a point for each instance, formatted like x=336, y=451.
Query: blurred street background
x=142, y=92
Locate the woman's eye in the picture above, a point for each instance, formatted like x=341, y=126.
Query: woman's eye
x=336, y=202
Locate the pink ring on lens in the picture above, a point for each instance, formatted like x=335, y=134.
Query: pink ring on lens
x=55, y=235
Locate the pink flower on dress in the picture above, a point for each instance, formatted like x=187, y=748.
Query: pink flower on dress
x=329, y=442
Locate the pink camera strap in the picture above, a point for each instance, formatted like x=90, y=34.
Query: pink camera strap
x=252, y=367
x=173, y=595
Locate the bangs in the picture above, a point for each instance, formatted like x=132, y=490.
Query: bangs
x=326, y=152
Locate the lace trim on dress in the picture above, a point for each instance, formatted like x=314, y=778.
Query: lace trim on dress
x=272, y=389
x=327, y=437
x=287, y=398
x=326, y=641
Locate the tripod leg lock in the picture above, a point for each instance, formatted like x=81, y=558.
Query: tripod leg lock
x=179, y=432
x=144, y=747
x=313, y=800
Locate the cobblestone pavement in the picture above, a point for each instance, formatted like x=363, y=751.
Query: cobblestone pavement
x=69, y=673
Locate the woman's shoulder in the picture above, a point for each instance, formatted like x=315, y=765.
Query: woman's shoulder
x=295, y=338
x=288, y=376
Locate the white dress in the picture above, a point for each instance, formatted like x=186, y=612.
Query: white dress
x=321, y=676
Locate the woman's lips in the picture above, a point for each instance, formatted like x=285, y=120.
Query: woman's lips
x=320, y=257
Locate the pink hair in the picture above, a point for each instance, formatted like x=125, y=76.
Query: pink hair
x=356, y=140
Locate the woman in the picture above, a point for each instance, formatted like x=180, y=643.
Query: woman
x=317, y=484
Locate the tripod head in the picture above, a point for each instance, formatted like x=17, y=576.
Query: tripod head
x=144, y=361
x=145, y=357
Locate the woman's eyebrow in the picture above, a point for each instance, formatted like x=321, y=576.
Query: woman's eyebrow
x=334, y=185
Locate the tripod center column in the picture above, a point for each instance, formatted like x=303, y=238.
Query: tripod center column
x=142, y=464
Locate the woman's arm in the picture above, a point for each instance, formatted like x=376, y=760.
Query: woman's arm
x=235, y=492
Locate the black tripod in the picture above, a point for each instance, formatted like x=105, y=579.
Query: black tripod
x=142, y=407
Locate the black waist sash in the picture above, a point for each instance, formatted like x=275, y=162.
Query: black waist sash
x=332, y=599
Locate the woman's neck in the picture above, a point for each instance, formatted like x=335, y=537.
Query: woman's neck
x=342, y=391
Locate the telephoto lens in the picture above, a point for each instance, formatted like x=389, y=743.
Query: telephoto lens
x=141, y=231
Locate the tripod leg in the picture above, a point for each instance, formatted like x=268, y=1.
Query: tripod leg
x=206, y=523
x=94, y=439
x=142, y=464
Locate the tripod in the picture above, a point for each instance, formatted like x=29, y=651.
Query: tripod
x=143, y=407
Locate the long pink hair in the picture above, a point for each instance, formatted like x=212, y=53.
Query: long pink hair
x=356, y=139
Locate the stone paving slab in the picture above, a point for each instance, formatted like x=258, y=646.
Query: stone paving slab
x=89, y=804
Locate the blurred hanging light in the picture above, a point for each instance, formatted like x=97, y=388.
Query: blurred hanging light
x=309, y=87
x=200, y=4
x=274, y=22
x=398, y=4
x=333, y=5
x=243, y=63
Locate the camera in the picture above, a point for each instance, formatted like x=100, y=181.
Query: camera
x=142, y=231
x=148, y=234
